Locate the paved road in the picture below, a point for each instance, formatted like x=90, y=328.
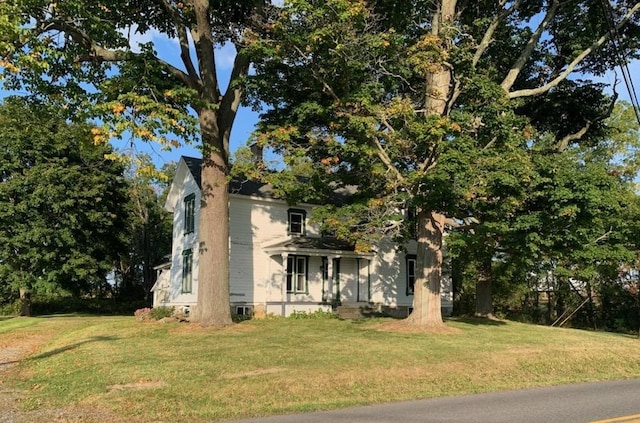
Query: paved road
x=617, y=401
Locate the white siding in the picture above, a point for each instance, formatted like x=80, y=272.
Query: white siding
x=181, y=188
x=256, y=278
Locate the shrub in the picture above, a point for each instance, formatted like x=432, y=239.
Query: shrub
x=158, y=313
x=318, y=314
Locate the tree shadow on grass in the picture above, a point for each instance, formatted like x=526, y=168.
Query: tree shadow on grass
x=61, y=350
x=478, y=321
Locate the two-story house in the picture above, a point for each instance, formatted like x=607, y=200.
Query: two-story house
x=279, y=263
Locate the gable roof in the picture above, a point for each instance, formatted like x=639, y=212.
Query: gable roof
x=255, y=188
x=195, y=167
x=315, y=246
x=244, y=187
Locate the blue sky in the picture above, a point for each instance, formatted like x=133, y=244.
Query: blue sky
x=246, y=119
x=169, y=51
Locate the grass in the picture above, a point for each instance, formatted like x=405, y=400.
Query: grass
x=179, y=372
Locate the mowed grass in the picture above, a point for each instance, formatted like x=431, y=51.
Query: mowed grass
x=181, y=372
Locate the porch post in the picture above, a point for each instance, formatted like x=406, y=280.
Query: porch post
x=369, y=280
x=336, y=277
x=329, y=278
x=358, y=279
x=285, y=257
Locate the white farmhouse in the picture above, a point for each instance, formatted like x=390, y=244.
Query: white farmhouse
x=279, y=263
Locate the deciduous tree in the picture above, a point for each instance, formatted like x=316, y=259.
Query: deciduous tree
x=84, y=55
x=62, y=204
x=424, y=108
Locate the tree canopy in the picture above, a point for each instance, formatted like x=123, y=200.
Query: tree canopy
x=62, y=205
x=82, y=54
x=437, y=107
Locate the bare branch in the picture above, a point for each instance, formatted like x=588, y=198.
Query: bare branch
x=515, y=70
x=602, y=237
x=385, y=159
x=183, y=39
x=488, y=35
x=232, y=97
x=562, y=76
x=564, y=142
x=490, y=143
x=430, y=162
x=202, y=35
x=97, y=53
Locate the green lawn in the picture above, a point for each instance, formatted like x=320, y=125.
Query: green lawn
x=180, y=372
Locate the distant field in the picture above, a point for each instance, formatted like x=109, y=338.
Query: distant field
x=179, y=372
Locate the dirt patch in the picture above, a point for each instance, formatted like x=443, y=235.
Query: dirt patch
x=404, y=327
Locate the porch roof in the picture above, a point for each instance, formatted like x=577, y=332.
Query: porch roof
x=324, y=246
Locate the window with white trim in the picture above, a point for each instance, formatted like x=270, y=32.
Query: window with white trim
x=297, y=269
x=411, y=273
x=296, y=221
x=189, y=213
x=187, y=271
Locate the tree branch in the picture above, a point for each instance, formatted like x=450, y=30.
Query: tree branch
x=183, y=39
x=232, y=97
x=515, y=70
x=564, y=142
x=385, y=159
x=488, y=35
x=562, y=76
x=97, y=53
x=205, y=49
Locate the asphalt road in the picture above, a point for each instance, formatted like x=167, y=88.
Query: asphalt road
x=617, y=401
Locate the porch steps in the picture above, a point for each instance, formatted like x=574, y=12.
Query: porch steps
x=356, y=310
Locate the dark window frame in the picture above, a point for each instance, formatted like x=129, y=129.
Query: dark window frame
x=410, y=272
x=302, y=230
x=186, y=286
x=189, y=213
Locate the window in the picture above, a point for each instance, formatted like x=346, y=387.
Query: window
x=297, y=274
x=244, y=311
x=189, y=213
x=297, y=221
x=187, y=271
x=412, y=222
x=411, y=273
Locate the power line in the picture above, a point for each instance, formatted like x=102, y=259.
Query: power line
x=620, y=56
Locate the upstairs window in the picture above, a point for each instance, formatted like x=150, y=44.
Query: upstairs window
x=411, y=273
x=189, y=213
x=296, y=224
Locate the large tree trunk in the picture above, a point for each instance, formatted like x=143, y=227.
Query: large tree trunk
x=484, y=290
x=25, y=302
x=426, y=291
x=213, y=308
